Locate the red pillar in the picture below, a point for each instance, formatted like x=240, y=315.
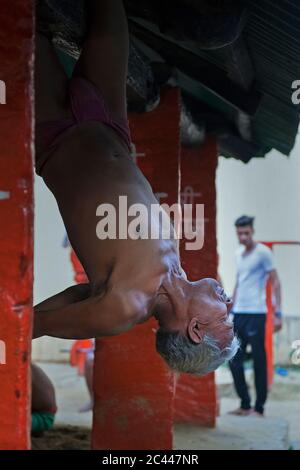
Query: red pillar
x=270, y=316
x=16, y=221
x=195, y=398
x=269, y=333
x=80, y=276
x=133, y=387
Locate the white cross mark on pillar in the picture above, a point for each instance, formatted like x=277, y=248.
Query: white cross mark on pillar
x=160, y=196
x=188, y=195
x=2, y=92
x=135, y=155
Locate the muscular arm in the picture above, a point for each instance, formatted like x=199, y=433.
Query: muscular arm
x=68, y=296
x=100, y=315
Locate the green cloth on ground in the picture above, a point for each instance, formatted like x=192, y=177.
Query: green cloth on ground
x=41, y=421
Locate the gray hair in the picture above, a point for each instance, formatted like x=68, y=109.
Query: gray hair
x=182, y=355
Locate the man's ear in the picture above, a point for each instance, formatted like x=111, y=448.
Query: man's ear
x=196, y=330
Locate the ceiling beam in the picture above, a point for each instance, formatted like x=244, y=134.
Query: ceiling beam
x=190, y=63
x=239, y=64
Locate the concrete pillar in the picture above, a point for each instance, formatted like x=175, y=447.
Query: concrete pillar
x=195, y=398
x=16, y=222
x=133, y=387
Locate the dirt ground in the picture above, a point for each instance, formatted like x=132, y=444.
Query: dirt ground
x=63, y=438
x=279, y=430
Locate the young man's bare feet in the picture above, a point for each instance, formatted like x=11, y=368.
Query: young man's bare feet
x=241, y=412
x=257, y=414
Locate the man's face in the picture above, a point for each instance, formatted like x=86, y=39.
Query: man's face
x=245, y=235
x=209, y=309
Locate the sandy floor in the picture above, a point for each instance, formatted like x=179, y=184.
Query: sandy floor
x=63, y=438
x=280, y=430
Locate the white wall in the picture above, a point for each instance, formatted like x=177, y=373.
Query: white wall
x=52, y=268
x=268, y=189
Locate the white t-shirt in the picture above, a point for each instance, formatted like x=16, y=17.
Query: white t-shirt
x=252, y=275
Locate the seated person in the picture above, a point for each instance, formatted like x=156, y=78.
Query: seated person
x=43, y=405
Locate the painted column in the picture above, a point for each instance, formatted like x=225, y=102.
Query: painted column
x=195, y=398
x=133, y=387
x=16, y=221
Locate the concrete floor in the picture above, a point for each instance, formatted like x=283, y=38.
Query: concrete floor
x=283, y=401
x=279, y=430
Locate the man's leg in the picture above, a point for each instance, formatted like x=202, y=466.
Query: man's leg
x=104, y=56
x=257, y=342
x=51, y=99
x=237, y=365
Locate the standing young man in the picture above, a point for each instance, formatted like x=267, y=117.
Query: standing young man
x=255, y=266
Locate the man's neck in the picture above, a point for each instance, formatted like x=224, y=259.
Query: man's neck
x=250, y=247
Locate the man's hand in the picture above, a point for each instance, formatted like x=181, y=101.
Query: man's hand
x=68, y=296
x=115, y=311
x=277, y=322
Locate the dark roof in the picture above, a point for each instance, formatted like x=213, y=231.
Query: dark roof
x=241, y=91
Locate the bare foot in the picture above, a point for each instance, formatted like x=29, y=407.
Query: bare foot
x=257, y=414
x=241, y=412
x=86, y=408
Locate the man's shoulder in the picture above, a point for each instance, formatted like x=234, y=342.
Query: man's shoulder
x=239, y=251
x=263, y=249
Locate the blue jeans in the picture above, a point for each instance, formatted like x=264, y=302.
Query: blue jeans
x=250, y=329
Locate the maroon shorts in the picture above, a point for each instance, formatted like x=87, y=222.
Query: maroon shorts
x=87, y=104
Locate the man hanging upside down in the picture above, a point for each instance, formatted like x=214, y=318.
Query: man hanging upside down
x=83, y=155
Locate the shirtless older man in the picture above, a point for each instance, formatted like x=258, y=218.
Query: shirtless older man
x=83, y=155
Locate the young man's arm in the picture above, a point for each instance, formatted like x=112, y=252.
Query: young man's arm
x=99, y=315
x=273, y=276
